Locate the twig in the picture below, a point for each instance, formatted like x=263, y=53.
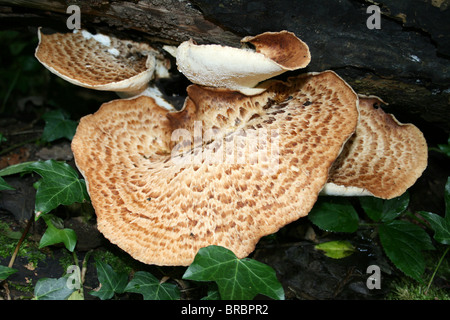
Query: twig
x=26, y=132
x=85, y=265
x=24, y=234
x=435, y=270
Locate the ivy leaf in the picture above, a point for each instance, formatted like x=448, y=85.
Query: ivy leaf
x=54, y=235
x=212, y=293
x=237, y=279
x=384, y=210
x=334, y=214
x=57, y=125
x=16, y=168
x=440, y=225
x=110, y=281
x=336, y=249
x=403, y=243
x=5, y=272
x=151, y=288
x=4, y=185
x=52, y=289
x=443, y=148
x=59, y=185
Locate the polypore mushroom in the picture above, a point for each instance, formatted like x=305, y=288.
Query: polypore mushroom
x=162, y=206
x=101, y=62
x=383, y=158
x=242, y=68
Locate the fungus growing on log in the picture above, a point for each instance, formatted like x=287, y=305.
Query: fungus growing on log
x=383, y=158
x=255, y=153
x=101, y=62
x=243, y=68
x=162, y=209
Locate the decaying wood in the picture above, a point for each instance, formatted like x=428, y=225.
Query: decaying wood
x=405, y=62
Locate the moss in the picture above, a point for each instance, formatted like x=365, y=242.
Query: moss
x=28, y=288
x=406, y=289
x=66, y=260
x=28, y=249
x=117, y=262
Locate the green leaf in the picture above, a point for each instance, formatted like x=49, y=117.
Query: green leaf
x=384, y=210
x=213, y=292
x=52, y=289
x=151, y=288
x=237, y=279
x=4, y=185
x=16, y=168
x=59, y=185
x=336, y=249
x=5, y=272
x=57, y=125
x=403, y=243
x=2, y=138
x=334, y=214
x=54, y=235
x=110, y=281
x=444, y=148
x=440, y=225
x=447, y=196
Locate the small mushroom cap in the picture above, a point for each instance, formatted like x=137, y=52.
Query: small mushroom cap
x=98, y=61
x=383, y=158
x=242, y=68
x=161, y=199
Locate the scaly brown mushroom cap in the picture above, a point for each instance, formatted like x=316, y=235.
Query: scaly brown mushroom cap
x=161, y=200
x=98, y=61
x=383, y=158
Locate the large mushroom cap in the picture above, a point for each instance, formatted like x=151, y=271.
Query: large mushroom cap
x=161, y=199
x=98, y=61
x=383, y=158
x=242, y=68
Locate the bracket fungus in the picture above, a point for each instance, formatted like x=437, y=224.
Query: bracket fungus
x=255, y=153
x=243, y=68
x=101, y=62
x=162, y=211
x=383, y=158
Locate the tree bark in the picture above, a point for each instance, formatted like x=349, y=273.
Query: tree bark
x=405, y=62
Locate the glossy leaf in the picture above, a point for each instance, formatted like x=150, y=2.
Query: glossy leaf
x=110, y=281
x=441, y=225
x=54, y=235
x=444, y=148
x=403, y=243
x=237, y=279
x=58, y=125
x=52, y=289
x=336, y=249
x=59, y=185
x=5, y=272
x=384, y=210
x=4, y=185
x=16, y=168
x=335, y=215
x=151, y=288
